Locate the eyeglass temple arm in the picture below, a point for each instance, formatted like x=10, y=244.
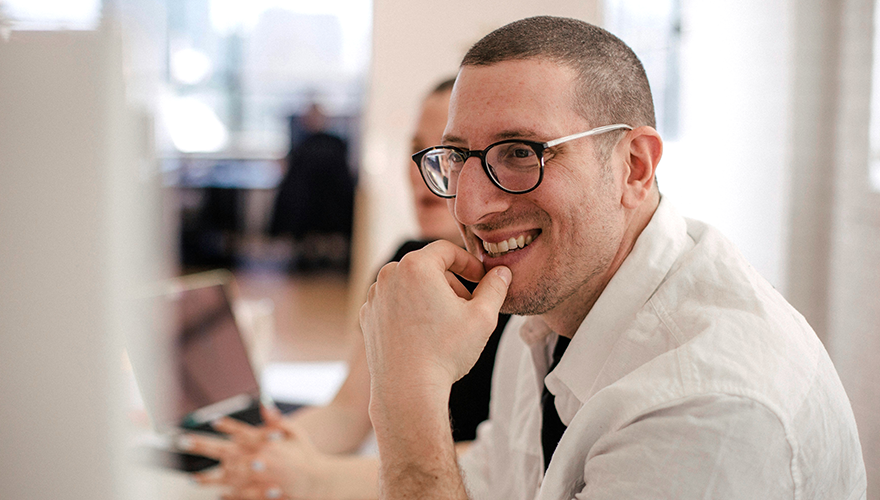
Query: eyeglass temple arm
x=597, y=130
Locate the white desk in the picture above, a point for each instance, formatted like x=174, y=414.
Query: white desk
x=306, y=383
x=163, y=484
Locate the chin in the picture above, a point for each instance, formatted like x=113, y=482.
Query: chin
x=523, y=305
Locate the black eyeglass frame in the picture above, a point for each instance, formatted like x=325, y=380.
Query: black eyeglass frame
x=537, y=147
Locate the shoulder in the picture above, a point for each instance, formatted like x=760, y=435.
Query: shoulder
x=717, y=351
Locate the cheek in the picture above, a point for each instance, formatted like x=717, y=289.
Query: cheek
x=582, y=211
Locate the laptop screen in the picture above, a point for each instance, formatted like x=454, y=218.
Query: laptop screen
x=209, y=359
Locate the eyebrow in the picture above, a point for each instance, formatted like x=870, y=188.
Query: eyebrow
x=524, y=134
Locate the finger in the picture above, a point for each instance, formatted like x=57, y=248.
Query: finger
x=257, y=468
x=270, y=413
x=292, y=431
x=213, y=476
x=492, y=289
x=240, y=432
x=273, y=429
x=451, y=257
x=206, y=446
x=240, y=471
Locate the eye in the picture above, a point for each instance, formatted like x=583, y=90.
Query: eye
x=522, y=152
x=456, y=156
x=513, y=151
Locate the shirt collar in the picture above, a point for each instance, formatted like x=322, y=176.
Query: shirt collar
x=639, y=276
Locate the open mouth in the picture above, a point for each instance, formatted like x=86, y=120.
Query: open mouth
x=504, y=247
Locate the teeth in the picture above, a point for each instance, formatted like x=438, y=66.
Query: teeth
x=496, y=249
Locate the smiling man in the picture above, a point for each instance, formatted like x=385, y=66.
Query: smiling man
x=649, y=361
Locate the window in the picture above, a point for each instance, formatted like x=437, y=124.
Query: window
x=238, y=71
x=50, y=14
x=652, y=28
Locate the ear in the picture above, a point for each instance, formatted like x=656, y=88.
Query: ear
x=642, y=150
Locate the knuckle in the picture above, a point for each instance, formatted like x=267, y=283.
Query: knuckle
x=409, y=261
x=386, y=272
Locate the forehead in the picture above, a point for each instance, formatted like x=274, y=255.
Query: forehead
x=527, y=97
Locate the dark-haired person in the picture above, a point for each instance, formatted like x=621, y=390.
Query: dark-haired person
x=650, y=360
x=313, y=455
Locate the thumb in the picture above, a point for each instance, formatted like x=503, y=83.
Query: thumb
x=492, y=289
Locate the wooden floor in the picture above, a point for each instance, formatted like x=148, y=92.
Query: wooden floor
x=311, y=317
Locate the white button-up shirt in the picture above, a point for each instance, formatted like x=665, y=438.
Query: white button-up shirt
x=690, y=378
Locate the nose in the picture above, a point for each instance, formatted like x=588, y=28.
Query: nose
x=476, y=196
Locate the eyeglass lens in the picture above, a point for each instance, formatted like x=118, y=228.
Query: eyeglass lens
x=515, y=166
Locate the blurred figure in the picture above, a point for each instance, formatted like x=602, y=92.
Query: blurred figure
x=315, y=200
x=308, y=454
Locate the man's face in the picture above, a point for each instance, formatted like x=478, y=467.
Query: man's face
x=574, y=218
x=431, y=212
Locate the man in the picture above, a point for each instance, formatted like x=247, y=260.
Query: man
x=686, y=376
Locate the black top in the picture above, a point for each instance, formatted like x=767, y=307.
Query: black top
x=316, y=194
x=469, y=399
x=552, y=427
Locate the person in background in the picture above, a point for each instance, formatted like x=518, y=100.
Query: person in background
x=309, y=453
x=648, y=360
x=315, y=199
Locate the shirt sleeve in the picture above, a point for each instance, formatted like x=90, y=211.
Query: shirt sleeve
x=710, y=446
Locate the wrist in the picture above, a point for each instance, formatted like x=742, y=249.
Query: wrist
x=408, y=403
x=412, y=427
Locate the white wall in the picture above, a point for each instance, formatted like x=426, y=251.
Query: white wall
x=730, y=167
x=853, y=337
x=73, y=243
x=415, y=45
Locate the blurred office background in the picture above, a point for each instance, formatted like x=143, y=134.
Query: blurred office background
x=141, y=139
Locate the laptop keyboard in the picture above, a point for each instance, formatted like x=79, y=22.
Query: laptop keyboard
x=250, y=415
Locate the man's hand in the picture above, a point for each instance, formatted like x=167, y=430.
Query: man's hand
x=423, y=331
x=420, y=322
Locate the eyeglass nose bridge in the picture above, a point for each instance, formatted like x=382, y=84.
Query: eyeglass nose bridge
x=470, y=153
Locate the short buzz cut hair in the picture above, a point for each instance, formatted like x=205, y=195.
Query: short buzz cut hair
x=611, y=85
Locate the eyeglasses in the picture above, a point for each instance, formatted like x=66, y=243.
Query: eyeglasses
x=514, y=165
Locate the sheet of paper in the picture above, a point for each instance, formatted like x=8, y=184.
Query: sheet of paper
x=309, y=383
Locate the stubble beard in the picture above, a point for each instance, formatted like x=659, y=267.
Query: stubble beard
x=569, y=278
x=549, y=290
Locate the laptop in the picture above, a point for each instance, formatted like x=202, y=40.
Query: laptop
x=206, y=372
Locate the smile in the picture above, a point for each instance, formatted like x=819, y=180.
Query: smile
x=506, y=246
